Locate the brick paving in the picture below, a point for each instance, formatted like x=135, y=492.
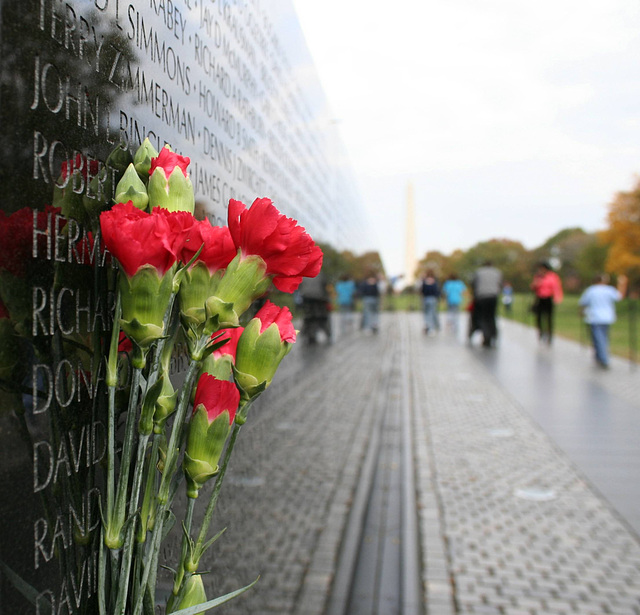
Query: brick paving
x=506, y=523
x=524, y=531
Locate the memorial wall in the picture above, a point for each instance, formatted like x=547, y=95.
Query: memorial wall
x=84, y=83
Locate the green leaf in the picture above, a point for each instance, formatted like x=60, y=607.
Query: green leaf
x=205, y=606
x=169, y=522
x=207, y=544
x=102, y=572
x=147, y=603
x=28, y=591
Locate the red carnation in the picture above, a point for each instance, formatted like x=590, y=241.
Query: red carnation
x=287, y=249
x=216, y=396
x=168, y=160
x=230, y=347
x=271, y=313
x=169, y=183
x=137, y=238
x=219, y=249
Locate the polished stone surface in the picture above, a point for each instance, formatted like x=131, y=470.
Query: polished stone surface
x=591, y=414
x=228, y=84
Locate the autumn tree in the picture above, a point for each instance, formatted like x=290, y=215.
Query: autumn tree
x=623, y=234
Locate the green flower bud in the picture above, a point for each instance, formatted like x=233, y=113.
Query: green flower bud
x=219, y=367
x=204, y=447
x=142, y=158
x=162, y=453
x=265, y=341
x=169, y=183
x=244, y=281
x=215, y=407
x=165, y=404
x=131, y=188
x=194, y=593
x=119, y=158
x=259, y=354
x=197, y=285
x=145, y=297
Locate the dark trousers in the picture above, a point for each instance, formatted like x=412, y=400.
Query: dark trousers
x=485, y=312
x=544, y=317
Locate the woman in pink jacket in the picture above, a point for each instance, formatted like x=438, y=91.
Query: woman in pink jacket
x=548, y=290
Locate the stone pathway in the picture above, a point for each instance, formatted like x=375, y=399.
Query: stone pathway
x=524, y=531
x=506, y=523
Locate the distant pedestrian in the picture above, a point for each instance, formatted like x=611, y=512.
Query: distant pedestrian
x=486, y=285
x=453, y=290
x=345, y=289
x=370, y=292
x=599, y=310
x=316, y=322
x=430, y=290
x=507, y=298
x=547, y=287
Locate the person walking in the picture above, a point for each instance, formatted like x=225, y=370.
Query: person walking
x=507, y=298
x=599, y=310
x=547, y=287
x=316, y=321
x=486, y=285
x=453, y=290
x=430, y=290
x=370, y=293
x=345, y=289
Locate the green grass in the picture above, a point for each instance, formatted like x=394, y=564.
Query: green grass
x=569, y=324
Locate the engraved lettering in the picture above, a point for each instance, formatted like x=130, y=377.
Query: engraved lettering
x=42, y=464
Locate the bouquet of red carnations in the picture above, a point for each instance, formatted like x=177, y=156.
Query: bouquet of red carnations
x=180, y=278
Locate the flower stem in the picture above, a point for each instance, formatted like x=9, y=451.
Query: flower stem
x=114, y=530
x=112, y=381
x=213, y=501
x=179, y=577
x=160, y=344
x=129, y=542
x=149, y=492
x=163, y=493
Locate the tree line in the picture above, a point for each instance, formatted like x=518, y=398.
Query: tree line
x=576, y=255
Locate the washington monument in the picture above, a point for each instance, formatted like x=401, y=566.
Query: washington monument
x=410, y=261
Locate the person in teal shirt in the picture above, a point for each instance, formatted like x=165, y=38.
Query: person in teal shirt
x=454, y=290
x=345, y=289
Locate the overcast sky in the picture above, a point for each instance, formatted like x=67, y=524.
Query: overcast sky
x=511, y=118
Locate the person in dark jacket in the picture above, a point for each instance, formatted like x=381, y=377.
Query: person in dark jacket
x=370, y=293
x=430, y=290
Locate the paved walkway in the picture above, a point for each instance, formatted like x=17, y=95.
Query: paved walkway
x=523, y=475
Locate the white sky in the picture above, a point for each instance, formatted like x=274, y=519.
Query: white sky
x=512, y=118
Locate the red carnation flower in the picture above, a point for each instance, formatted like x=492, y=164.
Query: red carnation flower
x=216, y=396
x=270, y=313
x=229, y=349
x=137, y=238
x=180, y=225
x=287, y=249
x=168, y=160
x=219, y=249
